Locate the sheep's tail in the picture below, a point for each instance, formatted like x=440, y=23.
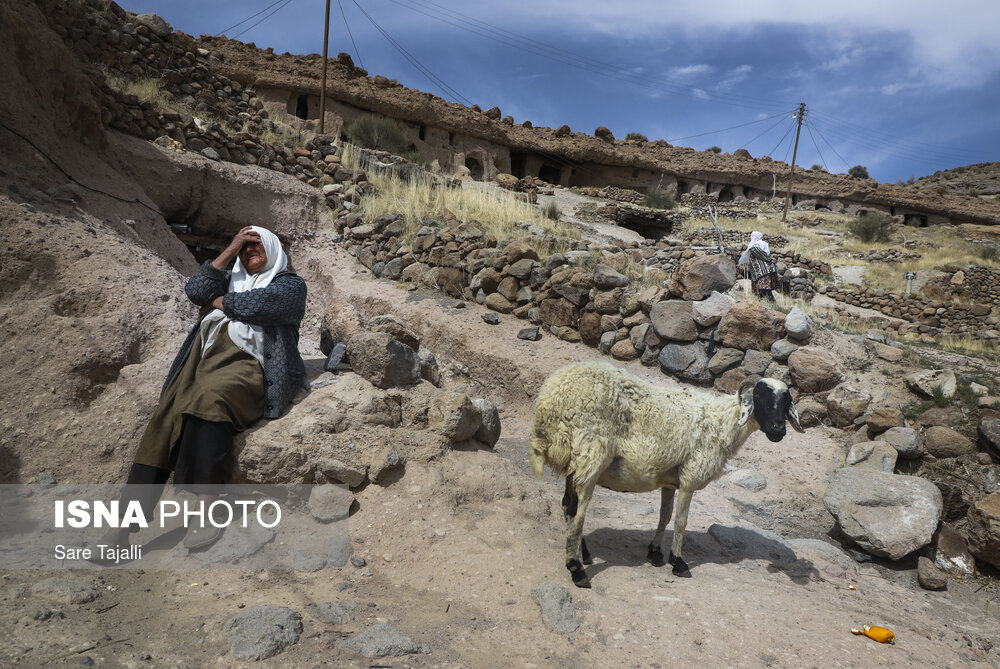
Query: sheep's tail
x=537, y=458
x=552, y=452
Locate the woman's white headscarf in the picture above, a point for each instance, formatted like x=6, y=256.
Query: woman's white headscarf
x=247, y=337
x=756, y=239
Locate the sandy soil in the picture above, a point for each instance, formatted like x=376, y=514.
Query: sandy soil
x=456, y=545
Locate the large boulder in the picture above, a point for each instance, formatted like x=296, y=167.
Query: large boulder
x=951, y=552
x=590, y=328
x=673, y=320
x=886, y=514
x=814, y=370
x=924, y=381
x=711, y=310
x=845, y=403
x=984, y=529
x=454, y=415
x=748, y=325
x=944, y=442
x=155, y=23
x=384, y=361
x=489, y=427
x=905, y=440
x=989, y=434
x=798, y=325
x=558, y=311
x=701, y=275
x=687, y=361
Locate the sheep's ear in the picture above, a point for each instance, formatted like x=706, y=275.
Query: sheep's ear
x=793, y=417
x=746, y=406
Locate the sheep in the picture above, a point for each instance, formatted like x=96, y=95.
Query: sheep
x=599, y=425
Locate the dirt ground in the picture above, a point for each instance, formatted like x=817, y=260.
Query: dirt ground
x=455, y=546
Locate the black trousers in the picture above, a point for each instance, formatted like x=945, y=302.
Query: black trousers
x=199, y=463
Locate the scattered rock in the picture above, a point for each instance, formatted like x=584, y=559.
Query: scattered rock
x=905, y=440
x=384, y=462
x=380, y=640
x=491, y=318
x=984, y=529
x=724, y=359
x=66, y=590
x=333, y=613
x=711, y=310
x=877, y=455
x=557, y=607
x=989, y=435
x=530, y=334
x=384, y=361
x=328, y=503
x=811, y=411
x=798, y=325
x=756, y=362
x=335, y=470
x=236, y=544
x=454, y=415
x=951, y=552
x=814, y=370
x=941, y=416
x=687, y=361
x=702, y=275
x=884, y=418
x=489, y=427
x=886, y=514
x=781, y=349
x=845, y=403
x=605, y=278
x=672, y=320
x=944, y=442
x=336, y=355
x=929, y=576
x=263, y=631
x=750, y=479
x=924, y=381
x=748, y=325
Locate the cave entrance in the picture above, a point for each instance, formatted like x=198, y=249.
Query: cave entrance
x=203, y=247
x=649, y=229
x=915, y=220
x=726, y=195
x=475, y=167
x=683, y=187
x=302, y=107
x=549, y=174
x=517, y=161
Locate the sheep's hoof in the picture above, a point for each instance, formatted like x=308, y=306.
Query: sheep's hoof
x=680, y=566
x=579, y=576
x=655, y=556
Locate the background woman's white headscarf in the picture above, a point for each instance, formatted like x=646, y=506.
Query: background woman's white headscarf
x=247, y=337
x=756, y=239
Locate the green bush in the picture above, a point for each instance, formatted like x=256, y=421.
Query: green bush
x=974, y=192
x=871, y=227
x=638, y=136
x=816, y=166
x=657, y=198
x=714, y=149
x=989, y=252
x=858, y=172
x=381, y=134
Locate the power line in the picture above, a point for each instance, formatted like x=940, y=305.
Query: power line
x=714, y=132
x=412, y=59
x=348, y=26
x=565, y=57
x=236, y=25
x=243, y=32
x=915, y=143
x=823, y=160
x=780, y=141
x=747, y=145
x=821, y=136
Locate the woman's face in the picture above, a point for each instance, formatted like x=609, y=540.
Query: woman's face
x=253, y=257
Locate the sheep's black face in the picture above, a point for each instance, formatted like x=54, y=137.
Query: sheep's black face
x=771, y=402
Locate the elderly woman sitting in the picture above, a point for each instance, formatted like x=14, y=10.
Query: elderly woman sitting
x=239, y=362
x=763, y=272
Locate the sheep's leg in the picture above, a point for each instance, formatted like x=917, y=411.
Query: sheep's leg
x=569, y=505
x=680, y=524
x=655, y=553
x=574, y=531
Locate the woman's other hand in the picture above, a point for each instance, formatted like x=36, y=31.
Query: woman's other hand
x=214, y=304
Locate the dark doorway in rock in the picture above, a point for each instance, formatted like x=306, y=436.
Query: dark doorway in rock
x=647, y=227
x=422, y=132
x=726, y=195
x=302, y=106
x=549, y=174
x=683, y=187
x=475, y=167
x=915, y=220
x=517, y=160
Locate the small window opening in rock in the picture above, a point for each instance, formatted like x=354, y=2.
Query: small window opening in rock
x=422, y=132
x=795, y=199
x=683, y=187
x=635, y=174
x=302, y=106
x=451, y=139
x=475, y=168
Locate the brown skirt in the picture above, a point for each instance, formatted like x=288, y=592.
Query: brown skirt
x=766, y=282
x=226, y=385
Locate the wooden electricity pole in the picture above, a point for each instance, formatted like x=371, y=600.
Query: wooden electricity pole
x=322, y=88
x=795, y=151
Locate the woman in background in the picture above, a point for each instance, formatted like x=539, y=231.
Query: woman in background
x=763, y=272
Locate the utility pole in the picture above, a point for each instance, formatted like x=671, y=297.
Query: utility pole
x=322, y=88
x=795, y=151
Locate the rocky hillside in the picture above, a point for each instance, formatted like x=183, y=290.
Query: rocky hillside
x=978, y=179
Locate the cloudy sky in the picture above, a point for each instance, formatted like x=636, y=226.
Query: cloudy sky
x=904, y=87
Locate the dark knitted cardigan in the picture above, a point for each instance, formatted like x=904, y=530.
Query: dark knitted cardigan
x=278, y=307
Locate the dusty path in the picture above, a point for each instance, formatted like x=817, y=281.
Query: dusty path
x=455, y=547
